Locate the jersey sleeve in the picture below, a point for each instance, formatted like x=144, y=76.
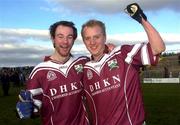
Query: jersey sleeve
x=34, y=86
x=139, y=54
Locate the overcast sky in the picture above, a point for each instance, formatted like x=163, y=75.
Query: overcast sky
x=24, y=37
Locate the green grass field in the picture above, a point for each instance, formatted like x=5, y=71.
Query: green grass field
x=162, y=105
x=7, y=107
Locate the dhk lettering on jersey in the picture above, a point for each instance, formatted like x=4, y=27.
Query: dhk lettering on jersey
x=105, y=85
x=65, y=90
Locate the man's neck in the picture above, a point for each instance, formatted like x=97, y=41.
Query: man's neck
x=99, y=57
x=60, y=59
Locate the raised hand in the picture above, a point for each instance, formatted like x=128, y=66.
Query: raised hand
x=135, y=12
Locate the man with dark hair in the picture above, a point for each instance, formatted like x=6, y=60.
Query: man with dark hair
x=54, y=88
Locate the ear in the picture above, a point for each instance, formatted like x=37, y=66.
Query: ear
x=104, y=38
x=53, y=42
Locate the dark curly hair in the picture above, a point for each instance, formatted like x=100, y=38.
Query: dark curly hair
x=53, y=27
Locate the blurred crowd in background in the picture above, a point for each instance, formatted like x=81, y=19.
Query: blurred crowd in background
x=15, y=77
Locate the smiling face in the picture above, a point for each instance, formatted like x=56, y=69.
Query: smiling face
x=94, y=39
x=63, y=40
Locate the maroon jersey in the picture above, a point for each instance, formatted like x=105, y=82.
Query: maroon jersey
x=57, y=90
x=113, y=88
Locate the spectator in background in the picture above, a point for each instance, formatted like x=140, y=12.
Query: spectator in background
x=5, y=82
x=166, y=72
x=22, y=78
x=15, y=78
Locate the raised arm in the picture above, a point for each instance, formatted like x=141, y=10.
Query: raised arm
x=155, y=40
